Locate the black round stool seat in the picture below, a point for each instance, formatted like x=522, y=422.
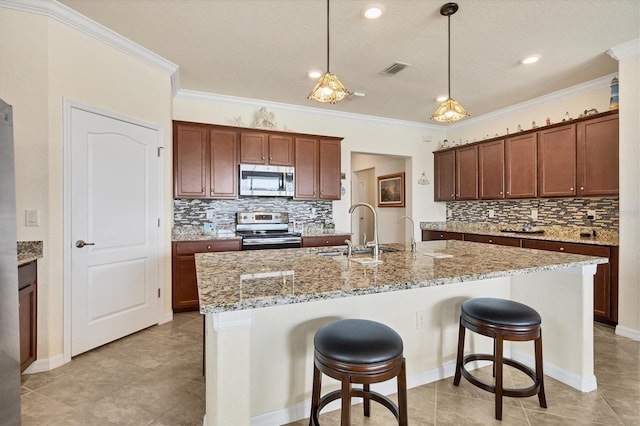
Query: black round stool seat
x=501, y=320
x=357, y=341
x=501, y=312
x=357, y=351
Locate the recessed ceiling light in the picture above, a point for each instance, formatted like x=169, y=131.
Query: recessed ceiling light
x=373, y=11
x=442, y=98
x=314, y=74
x=531, y=59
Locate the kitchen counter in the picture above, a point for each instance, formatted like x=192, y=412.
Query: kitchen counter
x=263, y=308
x=322, y=233
x=569, y=234
x=28, y=251
x=195, y=234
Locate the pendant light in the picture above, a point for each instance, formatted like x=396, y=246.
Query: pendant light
x=449, y=110
x=329, y=88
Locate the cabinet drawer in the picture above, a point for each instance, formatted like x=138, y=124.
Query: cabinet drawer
x=27, y=274
x=492, y=239
x=441, y=235
x=332, y=240
x=190, y=247
x=585, y=249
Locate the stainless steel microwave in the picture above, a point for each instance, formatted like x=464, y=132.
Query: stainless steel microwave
x=266, y=181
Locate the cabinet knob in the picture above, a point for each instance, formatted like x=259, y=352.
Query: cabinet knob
x=490, y=241
x=500, y=192
x=582, y=188
x=571, y=189
x=441, y=236
x=208, y=247
x=561, y=248
x=508, y=193
x=270, y=158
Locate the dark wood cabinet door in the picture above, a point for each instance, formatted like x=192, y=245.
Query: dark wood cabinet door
x=428, y=235
x=467, y=173
x=254, y=147
x=223, y=164
x=521, y=166
x=189, y=160
x=557, y=162
x=323, y=241
x=28, y=313
x=444, y=172
x=306, y=177
x=329, y=169
x=603, y=304
x=491, y=170
x=184, y=282
x=597, y=149
x=281, y=150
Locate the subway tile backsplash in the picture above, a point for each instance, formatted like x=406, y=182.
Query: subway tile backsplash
x=560, y=211
x=193, y=213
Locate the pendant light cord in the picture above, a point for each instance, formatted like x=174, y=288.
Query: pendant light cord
x=449, y=54
x=328, y=70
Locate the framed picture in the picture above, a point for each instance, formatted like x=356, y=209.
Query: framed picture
x=391, y=190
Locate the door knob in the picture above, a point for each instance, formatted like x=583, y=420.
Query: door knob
x=81, y=243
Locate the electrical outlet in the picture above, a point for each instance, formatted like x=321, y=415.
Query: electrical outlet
x=492, y=213
x=534, y=214
x=210, y=214
x=591, y=214
x=420, y=318
x=31, y=217
x=313, y=212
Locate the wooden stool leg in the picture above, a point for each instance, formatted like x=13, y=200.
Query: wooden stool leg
x=366, y=401
x=315, y=392
x=498, y=369
x=539, y=372
x=345, y=418
x=461, y=331
x=402, y=396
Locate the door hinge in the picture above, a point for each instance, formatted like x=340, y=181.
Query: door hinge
x=158, y=293
x=160, y=148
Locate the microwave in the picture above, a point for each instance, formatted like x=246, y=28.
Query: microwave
x=266, y=181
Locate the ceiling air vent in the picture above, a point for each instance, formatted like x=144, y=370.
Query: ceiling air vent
x=395, y=68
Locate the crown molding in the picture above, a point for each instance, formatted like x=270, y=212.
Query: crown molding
x=578, y=89
x=623, y=50
x=234, y=100
x=77, y=21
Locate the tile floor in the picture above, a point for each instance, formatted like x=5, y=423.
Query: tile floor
x=154, y=377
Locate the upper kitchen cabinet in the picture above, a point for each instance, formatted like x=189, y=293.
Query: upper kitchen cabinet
x=597, y=154
x=557, y=161
x=467, y=173
x=444, y=164
x=317, y=165
x=205, y=161
x=521, y=166
x=491, y=170
x=329, y=170
x=265, y=148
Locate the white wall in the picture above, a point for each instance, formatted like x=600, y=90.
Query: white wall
x=629, y=272
x=43, y=62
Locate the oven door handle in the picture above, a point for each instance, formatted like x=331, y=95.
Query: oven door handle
x=260, y=241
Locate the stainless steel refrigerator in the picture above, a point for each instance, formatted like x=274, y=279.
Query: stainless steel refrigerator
x=9, y=328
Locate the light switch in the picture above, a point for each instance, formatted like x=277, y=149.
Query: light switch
x=211, y=213
x=31, y=218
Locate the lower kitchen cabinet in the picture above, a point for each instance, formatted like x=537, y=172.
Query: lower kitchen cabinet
x=492, y=239
x=325, y=240
x=184, y=281
x=441, y=235
x=605, y=281
x=28, y=299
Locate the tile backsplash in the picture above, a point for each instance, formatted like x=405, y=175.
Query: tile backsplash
x=558, y=211
x=188, y=212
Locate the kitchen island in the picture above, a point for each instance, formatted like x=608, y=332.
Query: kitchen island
x=263, y=308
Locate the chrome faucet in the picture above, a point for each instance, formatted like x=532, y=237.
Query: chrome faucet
x=413, y=240
x=349, y=247
x=376, y=243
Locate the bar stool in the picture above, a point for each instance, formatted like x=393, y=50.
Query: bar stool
x=362, y=352
x=501, y=320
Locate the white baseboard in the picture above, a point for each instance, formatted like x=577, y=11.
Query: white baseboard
x=586, y=384
x=47, y=364
x=168, y=317
x=627, y=332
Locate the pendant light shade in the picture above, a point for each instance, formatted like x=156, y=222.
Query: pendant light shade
x=329, y=88
x=449, y=110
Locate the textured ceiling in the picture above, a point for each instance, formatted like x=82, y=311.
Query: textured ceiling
x=262, y=49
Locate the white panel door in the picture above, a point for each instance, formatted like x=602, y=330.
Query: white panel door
x=115, y=210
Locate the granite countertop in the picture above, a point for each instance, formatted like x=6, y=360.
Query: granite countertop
x=567, y=234
x=28, y=251
x=195, y=234
x=230, y=281
x=324, y=233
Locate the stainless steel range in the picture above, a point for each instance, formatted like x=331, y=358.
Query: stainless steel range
x=262, y=230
